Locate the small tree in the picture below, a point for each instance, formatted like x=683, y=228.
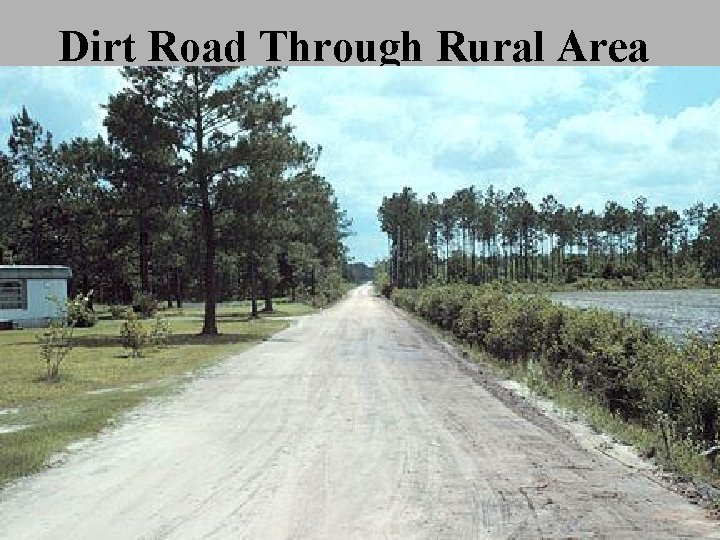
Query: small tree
x=56, y=340
x=145, y=304
x=134, y=334
x=160, y=332
x=79, y=311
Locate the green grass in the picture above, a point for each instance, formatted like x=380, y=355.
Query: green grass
x=237, y=311
x=240, y=310
x=61, y=412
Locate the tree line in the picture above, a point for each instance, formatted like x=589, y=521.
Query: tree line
x=477, y=236
x=201, y=190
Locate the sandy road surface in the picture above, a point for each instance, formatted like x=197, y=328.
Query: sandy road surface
x=352, y=424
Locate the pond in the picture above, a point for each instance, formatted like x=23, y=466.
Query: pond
x=673, y=313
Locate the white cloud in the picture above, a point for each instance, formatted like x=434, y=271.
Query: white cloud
x=65, y=100
x=581, y=134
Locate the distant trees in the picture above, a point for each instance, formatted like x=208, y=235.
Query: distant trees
x=475, y=237
x=9, y=223
x=201, y=190
x=359, y=272
x=707, y=244
x=36, y=187
x=406, y=221
x=144, y=170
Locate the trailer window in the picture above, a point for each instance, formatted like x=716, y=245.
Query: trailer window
x=13, y=294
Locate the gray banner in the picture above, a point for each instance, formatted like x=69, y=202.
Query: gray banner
x=322, y=32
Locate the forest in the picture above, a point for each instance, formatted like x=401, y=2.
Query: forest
x=477, y=236
x=201, y=190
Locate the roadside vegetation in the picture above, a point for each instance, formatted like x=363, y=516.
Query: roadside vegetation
x=662, y=397
x=103, y=376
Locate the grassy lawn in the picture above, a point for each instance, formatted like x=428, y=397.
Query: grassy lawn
x=99, y=380
x=240, y=310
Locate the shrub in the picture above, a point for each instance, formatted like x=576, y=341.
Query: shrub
x=404, y=298
x=55, y=344
x=475, y=318
x=319, y=300
x=134, y=334
x=56, y=340
x=329, y=288
x=145, y=304
x=600, y=351
x=79, y=311
x=698, y=413
x=520, y=327
x=382, y=281
x=684, y=389
x=442, y=305
x=161, y=332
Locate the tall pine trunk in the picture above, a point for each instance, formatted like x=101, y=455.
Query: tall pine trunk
x=253, y=288
x=143, y=242
x=208, y=220
x=267, y=293
x=178, y=289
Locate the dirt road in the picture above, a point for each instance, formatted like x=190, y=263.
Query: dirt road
x=351, y=424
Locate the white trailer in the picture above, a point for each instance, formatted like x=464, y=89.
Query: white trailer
x=29, y=294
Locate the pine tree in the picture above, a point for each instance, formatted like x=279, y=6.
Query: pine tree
x=213, y=110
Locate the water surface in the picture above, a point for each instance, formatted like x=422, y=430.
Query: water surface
x=673, y=313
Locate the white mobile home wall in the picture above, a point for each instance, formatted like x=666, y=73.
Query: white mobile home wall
x=40, y=294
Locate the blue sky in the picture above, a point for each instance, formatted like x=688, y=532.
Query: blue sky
x=584, y=134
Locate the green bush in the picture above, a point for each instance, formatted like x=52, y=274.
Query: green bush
x=329, y=288
x=683, y=383
x=56, y=340
x=160, y=332
x=705, y=376
x=475, y=318
x=55, y=344
x=134, y=335
x=381, y=280
x=520, y=327
x=404, y=298
x=441, y=305
x=79, y=312
x=145, y=304
x=600, y=352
